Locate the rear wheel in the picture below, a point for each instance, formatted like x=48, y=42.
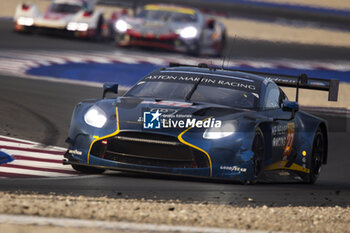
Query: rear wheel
x=87, y=169
x=259, y=151
x=318, y=153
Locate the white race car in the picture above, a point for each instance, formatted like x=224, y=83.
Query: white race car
x=74, y=17
x=171, y=27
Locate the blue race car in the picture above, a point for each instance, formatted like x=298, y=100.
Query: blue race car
x=204, y=122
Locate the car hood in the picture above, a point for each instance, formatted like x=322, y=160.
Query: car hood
x=131, y=111
x=156, y=27
x=52, y=16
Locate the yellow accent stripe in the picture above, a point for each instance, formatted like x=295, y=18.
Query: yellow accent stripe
x=170, y=9
x=179, y=137
x=110, y=135
x=193, y=146
x=282, y=165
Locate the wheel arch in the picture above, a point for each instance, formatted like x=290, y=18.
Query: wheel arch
x=264, y=127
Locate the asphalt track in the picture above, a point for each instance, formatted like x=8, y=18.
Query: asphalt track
x=41, y=111
x=235, y=47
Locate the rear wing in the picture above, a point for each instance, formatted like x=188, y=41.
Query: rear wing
x=304, y=82
x=301, y=81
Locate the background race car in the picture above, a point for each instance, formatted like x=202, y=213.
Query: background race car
x=70, y=17
x=203, y=122
x=171, y=27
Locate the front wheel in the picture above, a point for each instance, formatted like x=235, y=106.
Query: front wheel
x=196, y=50
x=259, y=152
x=87, y=169
x=222, y=45
x=318, y=153
x=99, y=33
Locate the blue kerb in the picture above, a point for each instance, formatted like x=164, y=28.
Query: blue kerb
x=128, y=74
x=5, y=158
x=123, y=74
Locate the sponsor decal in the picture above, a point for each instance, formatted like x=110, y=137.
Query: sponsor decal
x=278, y=141
x=167, y=111
x=234, y=168
x=289, y=140
x=228, y=83
x=279, y=135
x=284, y=173
x=318, y=83
x=276, y=79
x=156, y=120
x=279, y=130
x=75, y=152
x=167, y=103
x=174, y=103
x=283, y=136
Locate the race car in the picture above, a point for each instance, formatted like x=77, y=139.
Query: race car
x=173, y=28
x=203, y=122
x=70, y=17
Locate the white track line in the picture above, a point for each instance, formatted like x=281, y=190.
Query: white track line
x=31, y=172
x=34, y=146
x=31, y=163
x=33, y=159
x=116, y=226
x=19, y=140
x=35, y=155
x=59, y=80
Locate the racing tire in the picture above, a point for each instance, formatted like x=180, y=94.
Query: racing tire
x=98, y=36
x=87, y=169
x=197, y=51
x=258, y=149
x=222, y=45
x=25, y=31
x=317, y=156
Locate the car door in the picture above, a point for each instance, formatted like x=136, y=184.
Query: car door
x=280, y=132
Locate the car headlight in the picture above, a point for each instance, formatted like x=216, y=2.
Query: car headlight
x=25, y=21
x=83, y=26
x=74, y=26
x=121, y=25
x=95, y=117
x=227, y=128
x=188, y=32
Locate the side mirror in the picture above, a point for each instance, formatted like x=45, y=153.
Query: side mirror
x=290, y=106
x=109, y=87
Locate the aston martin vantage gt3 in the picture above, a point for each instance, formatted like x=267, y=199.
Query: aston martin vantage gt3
x=205, y=122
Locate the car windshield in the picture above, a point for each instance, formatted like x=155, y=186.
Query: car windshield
x=166, y=16
x=65, y=8
x=203, y=93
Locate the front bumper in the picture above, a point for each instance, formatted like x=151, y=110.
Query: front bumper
x=55, y=30
x=223, y=159
x=171, y=42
